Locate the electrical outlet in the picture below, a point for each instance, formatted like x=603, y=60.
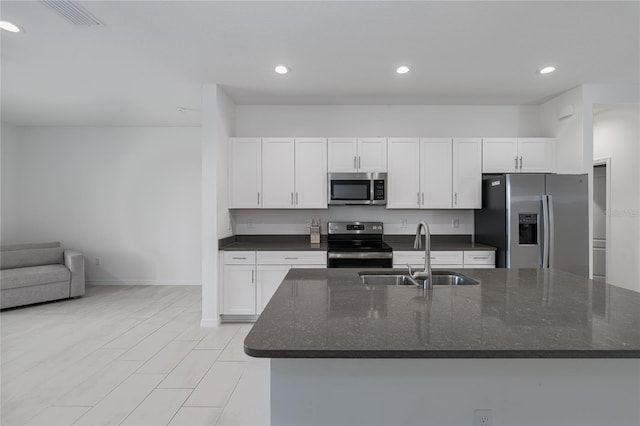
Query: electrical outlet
x=97, y=261
x=403, y=223
x=482, y=418
x=455, y=222
x=250, y=223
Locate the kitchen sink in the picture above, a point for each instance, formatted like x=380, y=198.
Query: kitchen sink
x=390, y=279
x=439, y=278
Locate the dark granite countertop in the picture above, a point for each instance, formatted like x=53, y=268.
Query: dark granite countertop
x=271, y=243
x=301, y=243
x=405, y=243
x=512, y=313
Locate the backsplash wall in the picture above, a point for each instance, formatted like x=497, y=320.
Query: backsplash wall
x=266, y=221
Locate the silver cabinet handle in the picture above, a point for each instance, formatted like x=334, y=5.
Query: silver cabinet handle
x=520, y=163
x=423, y=198
x=292, y=198
x=455, y=198
x=238, y=258
x=296, y=198
x=355, y=162
x=252, y=272
x=516, y=162
x=480, y=257
x=359, y=161
x=291, y=258
x=418, y=195
x=258, y=198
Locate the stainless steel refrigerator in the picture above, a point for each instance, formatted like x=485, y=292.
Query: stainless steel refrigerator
x=536, y=220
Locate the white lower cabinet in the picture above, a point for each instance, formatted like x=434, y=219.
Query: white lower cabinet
x=480, y=259
x=446, y=259
x=239, y=288
x=251, y=278
x=439, y=259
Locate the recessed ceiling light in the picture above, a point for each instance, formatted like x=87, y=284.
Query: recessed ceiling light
x=403, y=69
x=281, y=69
x=547, y=70
x=9, y=26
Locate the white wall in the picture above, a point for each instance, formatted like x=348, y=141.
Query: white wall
x=375, y=120
x=568, y=131
x=616, y=135
x=387, y=120
x=226, y=128
x=8, y=178
x=297, y=221
x=130, y=196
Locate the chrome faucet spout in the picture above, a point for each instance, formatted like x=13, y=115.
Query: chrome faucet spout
x=417, y=243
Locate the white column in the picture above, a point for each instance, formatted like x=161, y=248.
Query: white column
x=210, y=143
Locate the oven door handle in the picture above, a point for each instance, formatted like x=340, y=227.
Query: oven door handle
x=360, y=255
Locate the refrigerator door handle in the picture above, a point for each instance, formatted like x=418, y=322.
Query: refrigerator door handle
x=552, y=239
x=545, y=227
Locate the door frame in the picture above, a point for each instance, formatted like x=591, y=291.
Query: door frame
x=605, y=161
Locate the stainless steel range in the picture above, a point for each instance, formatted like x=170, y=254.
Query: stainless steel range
x=357, y=245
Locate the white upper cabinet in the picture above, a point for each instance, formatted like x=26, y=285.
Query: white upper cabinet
x=357, y=155
x=310, y=173
x=343, y=155
x=403, y=179
x=436, y=168
x=467, y=173
x=245, y=173
x=537, y=155
x=278, y=190
x=499, y=155
x=372, y=154
x=518, y=155
x=278, y=173
x=420, y=173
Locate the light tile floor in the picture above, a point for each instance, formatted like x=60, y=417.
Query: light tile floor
x=130, y=355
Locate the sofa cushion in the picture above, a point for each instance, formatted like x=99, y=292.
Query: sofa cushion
x=12, y=247
x=31, y=257
x=34, y=275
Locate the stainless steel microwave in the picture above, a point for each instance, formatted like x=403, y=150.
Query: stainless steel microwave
x=357, y=188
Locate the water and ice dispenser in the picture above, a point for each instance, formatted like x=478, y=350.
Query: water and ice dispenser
x=528, y=228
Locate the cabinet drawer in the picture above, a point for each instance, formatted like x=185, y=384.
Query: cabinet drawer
x=437, y=257
x=446, y=257
x=292, y=257
x=479, y=258
x=239, y=257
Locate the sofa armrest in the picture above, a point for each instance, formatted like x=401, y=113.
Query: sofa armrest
x=75, y=262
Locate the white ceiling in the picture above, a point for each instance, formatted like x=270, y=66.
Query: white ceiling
x=153, y=56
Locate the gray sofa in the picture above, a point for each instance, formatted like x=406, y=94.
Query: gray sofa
x=33, y=273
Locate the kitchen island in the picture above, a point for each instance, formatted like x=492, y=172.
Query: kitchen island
x=535, y=346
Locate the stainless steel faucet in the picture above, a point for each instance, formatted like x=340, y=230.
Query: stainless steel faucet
x=417, y=243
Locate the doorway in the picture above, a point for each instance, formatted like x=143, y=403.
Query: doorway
x=600, y=219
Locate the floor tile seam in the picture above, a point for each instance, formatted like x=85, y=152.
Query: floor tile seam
x=128, y=414
x=125, y=332
x=181, y=405
x=146, y=360
x=112, y=390
x=146, y=397
x=207, y=372
x=173, y=368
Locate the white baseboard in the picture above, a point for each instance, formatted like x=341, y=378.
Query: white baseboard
x=144, y=282
x=210, y=322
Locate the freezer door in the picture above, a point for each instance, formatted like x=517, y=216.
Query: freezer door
x=569, y=223
x=525, y=216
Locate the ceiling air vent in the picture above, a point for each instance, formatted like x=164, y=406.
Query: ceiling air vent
x=75, y=13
